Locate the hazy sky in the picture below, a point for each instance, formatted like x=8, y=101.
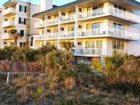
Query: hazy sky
x=56, y=2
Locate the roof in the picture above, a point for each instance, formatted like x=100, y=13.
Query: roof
x=75, y=3
x=12, y=1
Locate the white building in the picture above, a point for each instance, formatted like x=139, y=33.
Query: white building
x=96, y=27
x=17, y=22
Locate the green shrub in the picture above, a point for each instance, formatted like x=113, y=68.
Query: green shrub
x=125, y=75
x=7, y=52
x=32, y=55
x=113, y=62
x=46, y=49
x=83, y=68
x=57, y=65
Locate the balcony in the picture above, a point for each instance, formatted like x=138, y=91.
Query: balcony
x=9, y=12
x=52, y=22
x=39, y=25
x=49, y=36
x=67, y=35
x=8, y=24
x=88, y=52
x=128, y=16
x=110, y=32
x=5, y=36
x=52, y=36
x=69, y=18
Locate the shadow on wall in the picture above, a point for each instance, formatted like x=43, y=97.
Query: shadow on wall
x=19, y=66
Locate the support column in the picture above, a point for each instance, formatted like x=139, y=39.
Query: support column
x=58, y=37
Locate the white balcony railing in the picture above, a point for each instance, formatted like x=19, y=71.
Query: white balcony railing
x=92, y=33
x=48, y=36
x=88, y=52
x=124, y=14
x=9, y=11
x=39, y=25
x=5, y=36
x=110, y=32
x=67, y=18
x=52, y=22
x=8, y=24
x=111, y=11
x=65, y=35
x=52, y=36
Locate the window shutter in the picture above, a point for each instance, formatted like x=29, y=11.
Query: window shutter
x=25, y=9
x=24, y=21
x=19, y=20
x=20, y=8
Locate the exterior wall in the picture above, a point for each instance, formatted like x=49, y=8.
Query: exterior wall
x=28, y=27
x=67, y=23
x=134, y=46
x=46, y=4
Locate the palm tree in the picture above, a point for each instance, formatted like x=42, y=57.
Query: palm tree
x=15, y=35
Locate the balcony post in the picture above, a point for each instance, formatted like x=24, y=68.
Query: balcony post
x=58, y=36
x=76, y=24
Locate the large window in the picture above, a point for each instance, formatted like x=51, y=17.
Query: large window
x=118, y=28
x=117, y=44
x=98, y=10
x=119, y=10
x=93, y=44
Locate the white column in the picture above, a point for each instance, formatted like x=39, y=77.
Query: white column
x=58, y=37
x=76, y=28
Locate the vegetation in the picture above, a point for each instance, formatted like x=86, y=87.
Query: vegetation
x=116, y=81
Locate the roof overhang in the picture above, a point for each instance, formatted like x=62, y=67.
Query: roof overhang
x=9, y=3
x=132, y=4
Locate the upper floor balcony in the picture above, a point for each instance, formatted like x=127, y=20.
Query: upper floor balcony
x=67, y=35
x=68, y=18
x=8, y=24
x=39, y=25
x=125, y=15
x=98, y=52
x=9, y=12
x=48, y=36
x=109, y=32
x=5, y=36
x=92, y=33
x=52, y=22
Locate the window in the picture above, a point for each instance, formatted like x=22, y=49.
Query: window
x=32, y=38
x=22, y=8
x=117, y=45
x=22, y=44
x=5, y=43
x=119, y=9
x=94, y=44
x=99, y=44
x=25, y=9
x=22, y=21
x=98, y=10
x=119, y=29
x=21, y=32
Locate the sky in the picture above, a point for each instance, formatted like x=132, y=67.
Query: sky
x=56, y=2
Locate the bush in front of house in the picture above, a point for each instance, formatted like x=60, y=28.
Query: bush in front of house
x=123, y=73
